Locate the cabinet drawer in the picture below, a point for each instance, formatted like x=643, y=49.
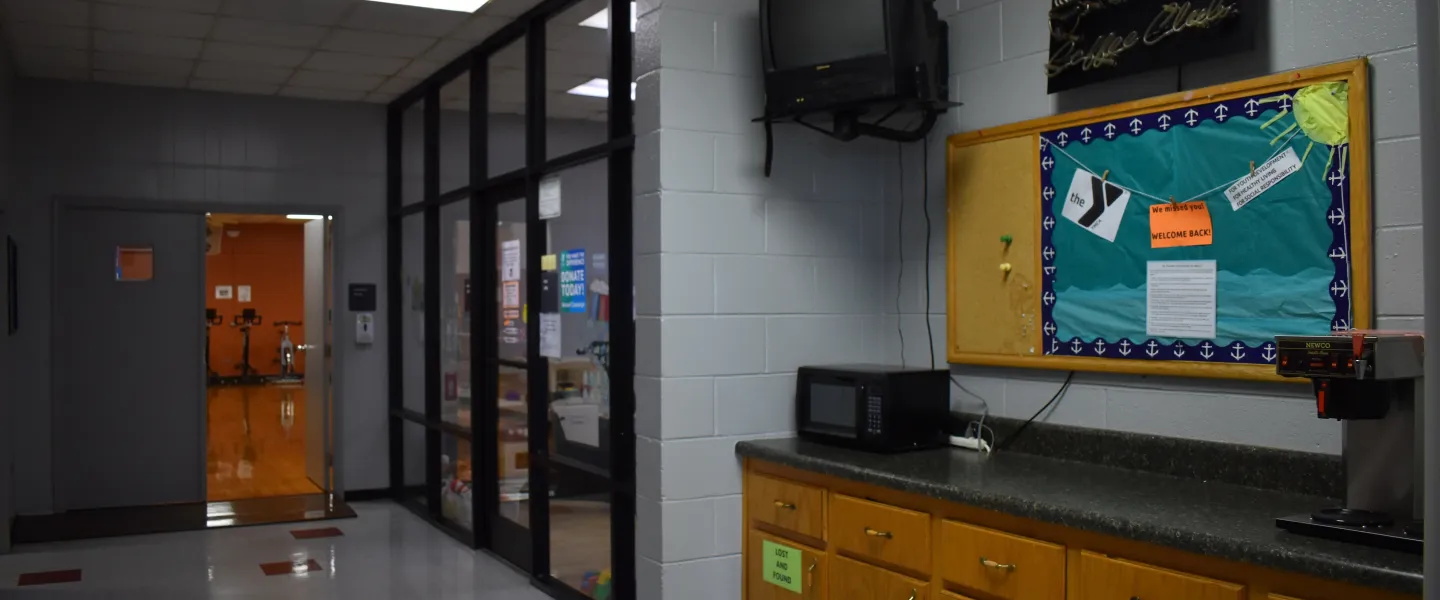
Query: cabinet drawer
x=1000, y=564
x=888, y=534
x=788, y=505
x=809, y=564
x=861, y=581
x=1105, y=578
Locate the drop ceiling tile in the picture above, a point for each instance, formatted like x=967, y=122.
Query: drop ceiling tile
x=478, y=28
x=148, y=79
x=397, y=85
x=309, y=12
x=54, y=36
x=578, y=63
x=146, y=65
x=512, y=56
x=507, y=108
x=342, y=62
x=336, y=81
x=152, y=45
x=240, y=87
x=507, y=8
x=395, y=18
x=447, y=50
x=574, y=38
x=461, y=105
x=273, y=56
x=375, y=43
x=420, y=69
x=38, y=61
x=154, y=21
x=266, y=33
x=55, y=12
x=223, y=71
x=563, y=82
x=321, y=94
x=380, y=97
x=197, y=6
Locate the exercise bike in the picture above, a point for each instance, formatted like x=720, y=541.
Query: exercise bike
x=245, y=320
x=212, y=318
x=287, y=351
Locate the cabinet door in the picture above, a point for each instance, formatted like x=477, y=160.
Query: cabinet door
x=888, y=534
x=859, y=581
x=810, y=566
x=788, y=505
x=1105, y=578
x=1000, y=564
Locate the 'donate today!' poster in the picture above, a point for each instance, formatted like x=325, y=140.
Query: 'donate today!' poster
x=572, y=281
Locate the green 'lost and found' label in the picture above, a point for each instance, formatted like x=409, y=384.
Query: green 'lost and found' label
x=782, y=566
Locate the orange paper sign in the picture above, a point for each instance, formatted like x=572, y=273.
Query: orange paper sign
x=1184, y=224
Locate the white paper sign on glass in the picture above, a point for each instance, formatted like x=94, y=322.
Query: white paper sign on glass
x=549, y=197
x=1095, y=204
x=510, y=261
x=243, y=293
x=1180, y=299
x=1265, y=177
x=550, y=335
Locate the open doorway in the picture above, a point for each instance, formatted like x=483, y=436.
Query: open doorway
x=268, y=399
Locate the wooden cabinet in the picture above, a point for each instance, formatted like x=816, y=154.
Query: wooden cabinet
x=811, y=563
x=1279, y=597
x=788, y=505
x=1105, y=578
x=1000, y=564
x=887, y=534
x=855, y=580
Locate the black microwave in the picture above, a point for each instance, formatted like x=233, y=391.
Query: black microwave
x=878, y=408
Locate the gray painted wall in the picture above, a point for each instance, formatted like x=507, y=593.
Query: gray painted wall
x=998, y=49
x=101, y=140
x=7, y=97
x=740, y=280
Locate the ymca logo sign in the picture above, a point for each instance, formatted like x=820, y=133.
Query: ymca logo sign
x=1095, y=204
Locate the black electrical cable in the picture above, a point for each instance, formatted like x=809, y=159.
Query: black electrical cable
x=1058, y=393
x=925, y=204
x=900, y=245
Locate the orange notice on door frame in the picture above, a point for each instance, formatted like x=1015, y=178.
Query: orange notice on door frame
x=1183, y=224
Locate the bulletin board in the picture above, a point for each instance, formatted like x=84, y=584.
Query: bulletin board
x=1171, y=236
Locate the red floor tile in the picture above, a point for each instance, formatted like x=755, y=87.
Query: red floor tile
x=49, y=577
x=289, y=568
x=310, y=534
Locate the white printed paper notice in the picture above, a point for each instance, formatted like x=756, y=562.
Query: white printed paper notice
x=1095, y=204
x=1265, y=177
x=1180, y=299
x=510, y=261
x=549, y=197
x=550, y=335
x=243, y=293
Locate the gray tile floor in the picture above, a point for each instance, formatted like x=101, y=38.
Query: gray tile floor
x=385, y=553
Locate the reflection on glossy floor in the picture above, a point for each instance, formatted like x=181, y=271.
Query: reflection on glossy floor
x=386, y=553
x=579, y=537
x=256, y=442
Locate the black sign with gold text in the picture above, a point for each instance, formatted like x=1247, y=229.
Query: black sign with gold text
x=1096, y=40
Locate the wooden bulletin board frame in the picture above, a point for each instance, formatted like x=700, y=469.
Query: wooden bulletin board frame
x=993, y=183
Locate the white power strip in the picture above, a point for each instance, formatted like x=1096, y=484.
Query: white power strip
x=970, y=443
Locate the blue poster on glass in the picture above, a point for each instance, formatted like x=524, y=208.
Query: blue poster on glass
x=572, y=281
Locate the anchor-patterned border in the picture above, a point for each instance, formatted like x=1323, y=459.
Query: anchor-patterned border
x=1251, y=108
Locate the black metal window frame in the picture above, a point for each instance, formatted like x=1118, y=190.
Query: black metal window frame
x=484, y=194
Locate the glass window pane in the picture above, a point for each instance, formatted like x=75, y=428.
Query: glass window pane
x=413, y=457
x=456, y=503
x=455, y=318
x=412, y=298
x=506, y=129
x=455, y=134
x=134, y=263
x=513, y=429
x=514, y=446
x=412, y=154
x=580, y=533
x=577, y=72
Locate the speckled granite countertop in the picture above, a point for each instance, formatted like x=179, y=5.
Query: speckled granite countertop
x=1213, y=519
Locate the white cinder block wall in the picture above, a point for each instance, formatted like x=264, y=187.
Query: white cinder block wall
x=740, y=279
x=998, y=49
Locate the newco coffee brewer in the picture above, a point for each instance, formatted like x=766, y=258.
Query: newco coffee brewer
x=1373, y=384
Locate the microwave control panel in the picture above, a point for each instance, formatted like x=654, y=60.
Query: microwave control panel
x=872, y=412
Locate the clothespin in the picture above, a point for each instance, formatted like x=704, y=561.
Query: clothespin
x=1105, y=175
x=1252, y=168
x=1173, y=202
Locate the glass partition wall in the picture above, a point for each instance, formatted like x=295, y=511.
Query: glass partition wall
x=510, y=298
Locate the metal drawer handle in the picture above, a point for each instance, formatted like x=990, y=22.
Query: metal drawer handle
x=913, y=593
x=785, y=505
x=811, y=571
x=875, y=533
x=1004, y=567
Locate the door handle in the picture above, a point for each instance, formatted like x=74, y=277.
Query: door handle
x=995, y=565
x=882, y=534
x=784, y=505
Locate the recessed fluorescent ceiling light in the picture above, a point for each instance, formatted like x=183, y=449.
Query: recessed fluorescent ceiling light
x=455, y=5
x=601, y=20
x=597, y=88
x=305, y=217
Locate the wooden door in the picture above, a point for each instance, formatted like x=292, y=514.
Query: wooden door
x=811, y=568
